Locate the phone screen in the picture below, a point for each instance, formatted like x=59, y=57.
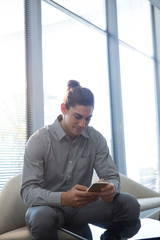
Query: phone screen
x=95, y=187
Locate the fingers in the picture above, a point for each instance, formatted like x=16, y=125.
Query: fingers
x=80, y=187
x=81, y=192
x=79, y=197
x=107, y=197
x=107, y=193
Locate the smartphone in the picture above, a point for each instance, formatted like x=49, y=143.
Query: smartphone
x=95, y=187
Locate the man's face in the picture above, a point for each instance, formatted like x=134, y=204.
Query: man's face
x=76, y=119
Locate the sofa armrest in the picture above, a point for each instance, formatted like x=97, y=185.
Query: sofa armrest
x=149, y=203
x=138, y=190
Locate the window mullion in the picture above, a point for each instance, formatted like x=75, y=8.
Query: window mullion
x=115, y=87
x=33, y=41
x=156, y=65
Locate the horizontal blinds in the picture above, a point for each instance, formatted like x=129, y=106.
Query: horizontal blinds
x=12, y=136
x=21, y=99
x=12, y=90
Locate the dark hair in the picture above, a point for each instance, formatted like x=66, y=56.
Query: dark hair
x=77, y=95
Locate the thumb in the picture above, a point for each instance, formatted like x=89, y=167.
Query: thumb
x=80, y=187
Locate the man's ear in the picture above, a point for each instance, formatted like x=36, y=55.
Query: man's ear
x=63, y=108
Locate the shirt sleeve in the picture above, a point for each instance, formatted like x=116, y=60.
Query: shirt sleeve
x=32, y=191
x=104, y=164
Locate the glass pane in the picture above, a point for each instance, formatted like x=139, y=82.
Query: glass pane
x=157, y=21
x=134, y=24
x=12, y=89
x=91, y=10
x=140, y=119
x=72, y=50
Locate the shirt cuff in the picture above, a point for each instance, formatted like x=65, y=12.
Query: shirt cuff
x=55, y=199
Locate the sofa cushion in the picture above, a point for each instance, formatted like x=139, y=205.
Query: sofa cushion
x=12, y=208
x=18, y=234
x=23, y=234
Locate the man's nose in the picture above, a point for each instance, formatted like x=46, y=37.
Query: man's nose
x=82, y=123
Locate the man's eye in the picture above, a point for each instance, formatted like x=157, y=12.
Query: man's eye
x=77, y=117
x=88, y=119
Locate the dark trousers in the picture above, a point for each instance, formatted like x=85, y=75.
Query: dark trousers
x=43, y=221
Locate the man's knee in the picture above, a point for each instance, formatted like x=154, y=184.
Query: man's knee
x=129, y=204
x=41, y=215
x=43, y=222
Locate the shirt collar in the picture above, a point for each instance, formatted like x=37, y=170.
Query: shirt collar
x=61, y=133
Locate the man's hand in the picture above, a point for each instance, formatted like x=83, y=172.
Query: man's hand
x=107, y=193
x=78, y=197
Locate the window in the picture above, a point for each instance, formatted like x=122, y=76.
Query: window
x=73, y=50
x=90, y=10
x=82, y=41
x=138, y=91
x=75, y=47
x=134, y=24
x=12, y=90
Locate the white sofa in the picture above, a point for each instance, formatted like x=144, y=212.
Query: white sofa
x=12, y=209
x=148, y=199
x=12, y=214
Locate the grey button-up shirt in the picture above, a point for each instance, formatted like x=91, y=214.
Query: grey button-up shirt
x=54, y=163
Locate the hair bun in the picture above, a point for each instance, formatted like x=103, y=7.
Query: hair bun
x=73, y=84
